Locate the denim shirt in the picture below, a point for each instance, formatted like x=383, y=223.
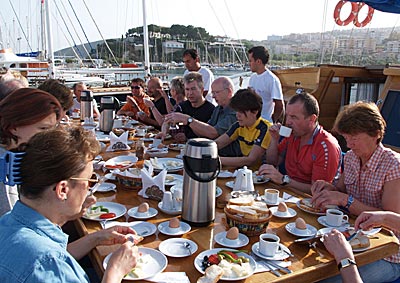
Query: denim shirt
x=33, y=249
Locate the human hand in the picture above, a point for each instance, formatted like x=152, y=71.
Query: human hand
x=320, y=185
x=327, y=197
x=370, y=219
x=112, y=235
x=176, y=118
x=163, y=93
x=89, y=201
x=180, y=138
x=274, y=131
x=141, y=115
x=148, y=102
x=337, y=245
x=122, y=261
x=271, y=172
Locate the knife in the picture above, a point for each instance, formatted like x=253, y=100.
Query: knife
x=308, y=238
x=284, y=269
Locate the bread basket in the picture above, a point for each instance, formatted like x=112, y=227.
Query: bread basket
x=129, y=182
x=249, y=227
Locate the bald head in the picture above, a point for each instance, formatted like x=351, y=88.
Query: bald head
x=153, y=85
x=222, y=90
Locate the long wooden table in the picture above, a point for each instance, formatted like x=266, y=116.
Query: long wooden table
x=308, y=265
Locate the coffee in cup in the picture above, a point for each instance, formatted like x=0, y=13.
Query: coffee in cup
x=335, y=217
x=271, y=196
x=268, y=244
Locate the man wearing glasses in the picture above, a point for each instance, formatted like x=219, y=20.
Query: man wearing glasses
x=135, y=103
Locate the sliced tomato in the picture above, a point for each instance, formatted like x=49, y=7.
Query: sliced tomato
x=213, y=259
x=107, y=215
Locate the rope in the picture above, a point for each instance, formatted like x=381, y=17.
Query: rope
x=108, y=47
x=20, y=26
x=76, y=16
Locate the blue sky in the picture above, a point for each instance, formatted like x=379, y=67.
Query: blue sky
x=254, y=19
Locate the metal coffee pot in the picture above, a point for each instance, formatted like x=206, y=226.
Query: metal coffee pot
x=107, y=113
x=86, y=105
x=244, y=180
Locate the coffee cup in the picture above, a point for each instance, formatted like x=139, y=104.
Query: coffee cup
x=335, y=217
x=177, y=198
x=271, y=196
x=268, y=244
x=156, y=143
x=167, y=202
x=141, y=132
x=285, y=131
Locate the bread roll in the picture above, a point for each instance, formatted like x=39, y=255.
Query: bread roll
x=359, y=242
x=282, y=207
x=212, y=274
x=174, y=223
x=301, y=224
x=233, y=233
x=143, y=207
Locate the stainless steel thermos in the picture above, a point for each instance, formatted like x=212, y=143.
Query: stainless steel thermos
x=86, y=104
x=201, y=168
x=107, y=113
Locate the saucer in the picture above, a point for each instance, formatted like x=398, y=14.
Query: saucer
x=279, y=255
x=225, y=174
x=272, y=203
x=322, y=221
x=174, y=247
x=241, y=241
x=142, y=215
x=167, y=211
x=288, y=214
x=142, y=228
x=107, y=187
x=230, y=184
x=165, y=229
x=110, y=176
x=310, y=231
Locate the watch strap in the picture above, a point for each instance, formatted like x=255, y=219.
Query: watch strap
x=350, y=201
x=346, y=262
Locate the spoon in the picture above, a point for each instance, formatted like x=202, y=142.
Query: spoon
x=188, y=247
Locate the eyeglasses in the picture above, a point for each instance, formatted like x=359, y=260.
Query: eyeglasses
x=135, y=87
x=91, y=181
x=218, y=91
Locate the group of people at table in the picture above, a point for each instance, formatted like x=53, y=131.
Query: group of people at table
x=54, y=171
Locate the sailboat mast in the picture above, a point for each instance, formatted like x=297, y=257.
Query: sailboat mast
x=52, y=71
x=146, y=41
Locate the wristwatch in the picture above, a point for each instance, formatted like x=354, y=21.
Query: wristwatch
x=350, y=200
x=285, y=180
x=189, y=120
x=345, y=263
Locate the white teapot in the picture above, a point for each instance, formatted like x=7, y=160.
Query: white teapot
x=244, y=180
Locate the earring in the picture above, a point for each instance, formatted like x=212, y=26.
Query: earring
x=65, y=198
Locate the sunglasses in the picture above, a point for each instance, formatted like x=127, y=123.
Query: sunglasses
x=135, y=87
x=91, y=181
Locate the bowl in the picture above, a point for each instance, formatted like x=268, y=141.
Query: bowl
x=249, y=227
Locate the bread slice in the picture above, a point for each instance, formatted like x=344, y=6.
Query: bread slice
x=241, y=201
x=359, y=242
x=241, y=209
x=212, y=274
x=260, y=207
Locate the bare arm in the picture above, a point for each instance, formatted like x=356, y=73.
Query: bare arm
x=250, y=160
x=369, y=220
x=203, y=129
x=279, y=110
x=223, y=141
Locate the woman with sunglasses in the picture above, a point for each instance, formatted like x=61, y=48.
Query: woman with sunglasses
x=54, y=172
x=135, y=103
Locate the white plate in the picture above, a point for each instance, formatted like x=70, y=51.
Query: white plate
x=280, y=254
x=174, y=247
x=225, y=174
x=157, y=153
x=107, y=187
x=322, y=221
x=310, y=210
x=288, y=214
x=371, y=232
x=176, y=146
x=218, y=191
x=272, y=203
x=142, y=228
x=199, y=259
x=167, y=211
x=145, y=215
x=113, y=163
x=110, y=176
x=230, y=184
x=310, y=231
x=264, y=180
x=163, y=227
x=178, y=179
x=157, y=263
x=102, y=137
x=162, y=164
x=323, y=231
x=112, y=207
x=241, y=241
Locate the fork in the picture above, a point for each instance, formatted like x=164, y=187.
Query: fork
x=265, y=264
x=97, y=186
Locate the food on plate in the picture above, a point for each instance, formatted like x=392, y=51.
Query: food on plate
x=241, y=201
x=212, y=274
x=301, y=224
x=247, y=208
x=308, y=206
x=232, y=233
x=137, y=271
x=161, y=145
x=143, y=207
x=169, y=178
x=107, y=215
x=136, y=238
x=172, y=163
x=118, y=165
x=233, y=266
x=282, y=207
x=360, y=241
x=96, y=211
x=174, y=223
x=154, y=192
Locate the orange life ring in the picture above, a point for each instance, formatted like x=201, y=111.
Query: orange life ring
x=350, y=18
x=367, y=19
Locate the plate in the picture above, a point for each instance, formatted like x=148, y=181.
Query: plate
x=225, y=174
x=142, y=228
x=371, y=232
x=157, y=152
x=271, y=203
x=310, y=231
x=120, y=162
x=147, y=139
x=110, y=176
x=102, y=137
x=322, y=221
x=163, y=227
x=323, y=231
x=157, y=262
x=230, y=184
x=199, y=258
x=167, y=211
x=218, y=191
x=260, y=180
x=116, y=208
x=288, y=214
x=176, y=146
x=177, y=179
x=309, y=209
x=280, y=254
x=171, y=164
x=107, y=187
x=174, y=247
x=142, y=215
x=241, y=241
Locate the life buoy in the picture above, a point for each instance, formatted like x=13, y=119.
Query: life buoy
x=350, y=18
x=367, y=19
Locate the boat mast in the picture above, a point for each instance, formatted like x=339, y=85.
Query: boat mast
x=146, y=41
x=50, y=58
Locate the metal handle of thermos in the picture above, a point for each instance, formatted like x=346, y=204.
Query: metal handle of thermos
x=190, y=171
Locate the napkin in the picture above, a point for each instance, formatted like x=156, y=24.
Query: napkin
x=170, y=277
x=260, y=267
x=118, y=143
x=289, y=198
x=153, y=187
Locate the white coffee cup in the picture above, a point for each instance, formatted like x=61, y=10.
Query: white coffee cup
x=335, y=217
x=271, y=196
x=156, y=143
x=167, y=202
x=177, y=198
x=117, y=123
x=285, y=131
x=268, y=244
x=141, y=132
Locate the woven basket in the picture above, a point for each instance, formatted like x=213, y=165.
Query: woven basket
x=250, y=227
x=129, y=183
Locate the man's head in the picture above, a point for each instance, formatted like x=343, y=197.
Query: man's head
x=191, y=59
x=137, y=87
x=194, y=88
x=8, y=86
x=77, y=88
x=222, y=91
x=302, y=113
x=247, y=104
x=258, y=58
x=59, y=91
x=153, y=87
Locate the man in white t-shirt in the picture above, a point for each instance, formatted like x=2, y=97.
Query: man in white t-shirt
x=192, y=63
x=266, y=84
